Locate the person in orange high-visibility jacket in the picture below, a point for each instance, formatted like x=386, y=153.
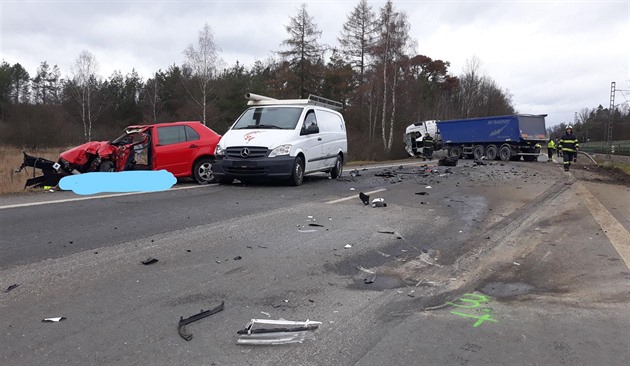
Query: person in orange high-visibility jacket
x=570, y=147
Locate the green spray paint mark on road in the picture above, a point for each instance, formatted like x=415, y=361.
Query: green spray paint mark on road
x=480, y=319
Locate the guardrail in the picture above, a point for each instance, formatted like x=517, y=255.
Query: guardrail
x=621, y=147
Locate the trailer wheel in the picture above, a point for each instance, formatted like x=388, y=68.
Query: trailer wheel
x=491, y=152
x=478, y=152
x=505, y=153
x=454, y=152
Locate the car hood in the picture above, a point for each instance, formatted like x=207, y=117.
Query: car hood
x=79, y=155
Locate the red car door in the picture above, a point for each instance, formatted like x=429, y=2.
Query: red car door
x=172, y=151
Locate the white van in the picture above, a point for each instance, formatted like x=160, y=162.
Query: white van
x=283, y=139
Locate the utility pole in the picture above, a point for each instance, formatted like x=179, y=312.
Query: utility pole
x=611, y=113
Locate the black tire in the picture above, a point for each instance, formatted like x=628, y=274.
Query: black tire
x=491, y=152
x=505, y=153
x=297, y=175
x=454, y=152
x=202, y=171
x=106, y=166
x=225, y=180
x=336, y=171
x=478, y=152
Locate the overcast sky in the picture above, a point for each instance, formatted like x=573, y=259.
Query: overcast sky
x=554, y=57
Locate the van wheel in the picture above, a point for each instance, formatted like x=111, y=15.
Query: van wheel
x=297, y=176
x=202, y=171
x=336, y=171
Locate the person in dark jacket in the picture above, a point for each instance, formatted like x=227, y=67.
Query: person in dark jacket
x=570, y=147
x=427, y=146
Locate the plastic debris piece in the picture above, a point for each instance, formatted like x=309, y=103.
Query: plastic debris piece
x=54, y=320
x=379, y=202
x=149, y=260
x=370, y=280
x=238, y=258
x=428, y=187
x=422, y=193
x=181, y=327
x=12, y=287
x=265, y=313
x=363, y=269
x=517, y=263
x=307, y=230
x=276, y=332
x=364, y=198
x=347, y=246
x=386, y=232
x=352, y=189
x=316, y=225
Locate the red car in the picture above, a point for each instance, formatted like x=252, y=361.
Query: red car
x=186, y=149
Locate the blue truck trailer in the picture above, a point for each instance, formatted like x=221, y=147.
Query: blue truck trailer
x=502, y=137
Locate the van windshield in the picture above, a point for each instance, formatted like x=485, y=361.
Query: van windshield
x=269, y=117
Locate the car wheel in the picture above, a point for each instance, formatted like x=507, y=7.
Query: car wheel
x=202, y=171
x=297, y=176
x=106, y=166
x=336, y=171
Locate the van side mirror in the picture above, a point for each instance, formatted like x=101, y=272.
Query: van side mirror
x=312, y=129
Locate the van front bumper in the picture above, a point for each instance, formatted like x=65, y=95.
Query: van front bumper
x=277, y=168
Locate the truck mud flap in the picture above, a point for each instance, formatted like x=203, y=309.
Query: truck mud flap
x=50, y=176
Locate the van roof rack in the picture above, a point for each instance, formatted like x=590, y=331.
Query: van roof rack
x=255, y=99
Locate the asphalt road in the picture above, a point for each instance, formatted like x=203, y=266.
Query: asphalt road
x=515, y=263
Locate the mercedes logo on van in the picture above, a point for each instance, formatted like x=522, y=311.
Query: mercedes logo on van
x=245, y=152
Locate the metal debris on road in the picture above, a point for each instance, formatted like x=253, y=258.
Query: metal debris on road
x=149, y=260
x=379, y=202
x=363, y=269
x=447, y=162
x=181, y=327
x=276, y=332
x=364, y=198
x=12, y=287
x=54, y=320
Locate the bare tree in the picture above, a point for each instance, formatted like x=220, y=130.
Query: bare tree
x=390, y=49
x=304, y=50
x=357, y=36
x=203, y=62
x=84, y=86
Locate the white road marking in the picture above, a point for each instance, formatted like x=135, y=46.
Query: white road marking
x=355, y=196
x=93, y=197
x=616, y=233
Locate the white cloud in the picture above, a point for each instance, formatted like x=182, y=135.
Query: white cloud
x=555, y=57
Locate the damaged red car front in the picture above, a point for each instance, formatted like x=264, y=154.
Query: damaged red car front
x=183, y=148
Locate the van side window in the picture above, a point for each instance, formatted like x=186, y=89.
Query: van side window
x=310, y=119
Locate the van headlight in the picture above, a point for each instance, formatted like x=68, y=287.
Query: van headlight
x=280, y=150
x=218, y=151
